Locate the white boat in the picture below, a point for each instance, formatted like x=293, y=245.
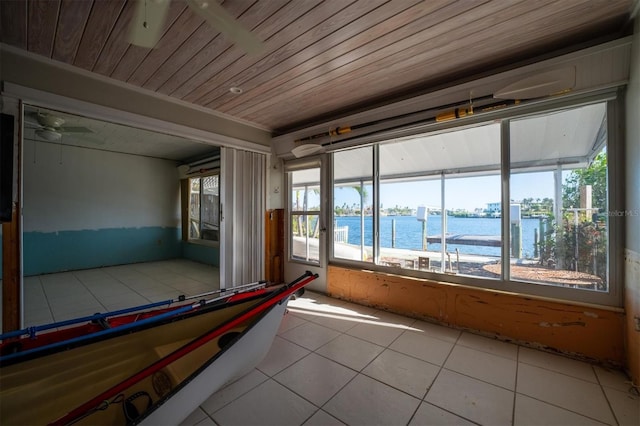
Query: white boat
x=148, y=367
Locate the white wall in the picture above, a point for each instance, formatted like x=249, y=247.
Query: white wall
x=69, y=188
x=275, y=184
x=85, y=208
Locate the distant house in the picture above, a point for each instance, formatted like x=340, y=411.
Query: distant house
x=493, y=207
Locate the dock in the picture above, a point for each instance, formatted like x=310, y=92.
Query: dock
x=469, y=240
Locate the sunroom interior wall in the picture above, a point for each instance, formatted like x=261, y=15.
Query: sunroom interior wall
x=85, y=208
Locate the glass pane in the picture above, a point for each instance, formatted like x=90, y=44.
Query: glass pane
x=305, y=237
x=411, y=223
x=210, y=208
x=473, y=225
x=305, y=205
x=560, y=242
x=352, y=204
x=194, y=208
x=409, y=214
x=305, y=194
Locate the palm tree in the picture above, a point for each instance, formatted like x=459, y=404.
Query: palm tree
x=298, y=209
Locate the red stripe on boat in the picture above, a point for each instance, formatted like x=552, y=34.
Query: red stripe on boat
x=178, y=353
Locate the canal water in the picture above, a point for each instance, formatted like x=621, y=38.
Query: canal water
x=409, y=232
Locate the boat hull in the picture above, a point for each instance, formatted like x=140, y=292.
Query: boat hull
x=153, y=371
x=233, y=363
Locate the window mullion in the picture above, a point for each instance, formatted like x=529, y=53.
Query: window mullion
x=505, y=173
x=201, y=199
x=376, y=203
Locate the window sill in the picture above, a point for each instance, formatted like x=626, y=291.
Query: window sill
x=207, y=243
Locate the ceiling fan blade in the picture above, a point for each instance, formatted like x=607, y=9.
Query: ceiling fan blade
x=71, y=129
x=223, y=21
x=146, y=26
x=30, y=117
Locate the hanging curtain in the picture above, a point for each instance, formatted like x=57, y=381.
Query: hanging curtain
x=243, y=203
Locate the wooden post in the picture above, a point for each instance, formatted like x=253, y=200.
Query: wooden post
x=543, y=239
x=516, y=240
x=11, y=250
x=274, y=246
x=11, y=291
x=393, y=233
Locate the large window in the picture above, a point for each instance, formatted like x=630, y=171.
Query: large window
x=353, y=205
x=521, y=203
x=559, y=185
x=204, y=208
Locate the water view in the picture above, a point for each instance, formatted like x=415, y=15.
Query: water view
x=409, y=232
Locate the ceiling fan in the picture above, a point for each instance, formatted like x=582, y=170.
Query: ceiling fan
x=50, y=127
x=150, y=15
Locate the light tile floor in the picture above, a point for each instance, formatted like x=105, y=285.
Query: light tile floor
x=335, y=363
x=61, y=296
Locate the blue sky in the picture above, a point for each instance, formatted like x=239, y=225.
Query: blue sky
x=462, y=193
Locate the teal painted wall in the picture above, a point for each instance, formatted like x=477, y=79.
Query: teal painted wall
x=201, y=253
x=48, y=252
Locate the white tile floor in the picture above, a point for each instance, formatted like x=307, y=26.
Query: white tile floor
x=336, y=363
x=57, y=297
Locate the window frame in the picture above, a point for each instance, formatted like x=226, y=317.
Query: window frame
x=200, y=240
x=614, y=107
x=292, y=167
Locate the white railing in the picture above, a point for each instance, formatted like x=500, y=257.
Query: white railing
x=341, y=234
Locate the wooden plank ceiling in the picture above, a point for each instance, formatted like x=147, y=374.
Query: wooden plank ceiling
x=320, y=58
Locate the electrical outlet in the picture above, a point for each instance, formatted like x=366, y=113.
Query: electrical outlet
x=637, y=322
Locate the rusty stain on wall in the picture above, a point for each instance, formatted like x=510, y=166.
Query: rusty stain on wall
x=558, y=326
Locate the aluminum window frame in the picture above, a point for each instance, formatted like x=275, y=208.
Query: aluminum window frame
x=615, y=174
x=201, y=177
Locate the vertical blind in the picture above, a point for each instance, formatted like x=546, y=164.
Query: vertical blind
x=243, y=206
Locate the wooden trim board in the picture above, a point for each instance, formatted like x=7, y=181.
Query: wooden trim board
x=584, y=332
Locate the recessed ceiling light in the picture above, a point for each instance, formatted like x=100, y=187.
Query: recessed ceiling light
x=235, y=90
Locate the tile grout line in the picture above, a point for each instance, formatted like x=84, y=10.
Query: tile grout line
x=94, y=296
x=515, y=388
x=47, y=299
x=423, y=400
x=319, y=408
x=127, y=285
x=563, y=373
x=613, y=412
x=485, y=351
x=581, y=414
x=329, y=359
x=53, y=319
x=388, y=347
x=239, y=396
